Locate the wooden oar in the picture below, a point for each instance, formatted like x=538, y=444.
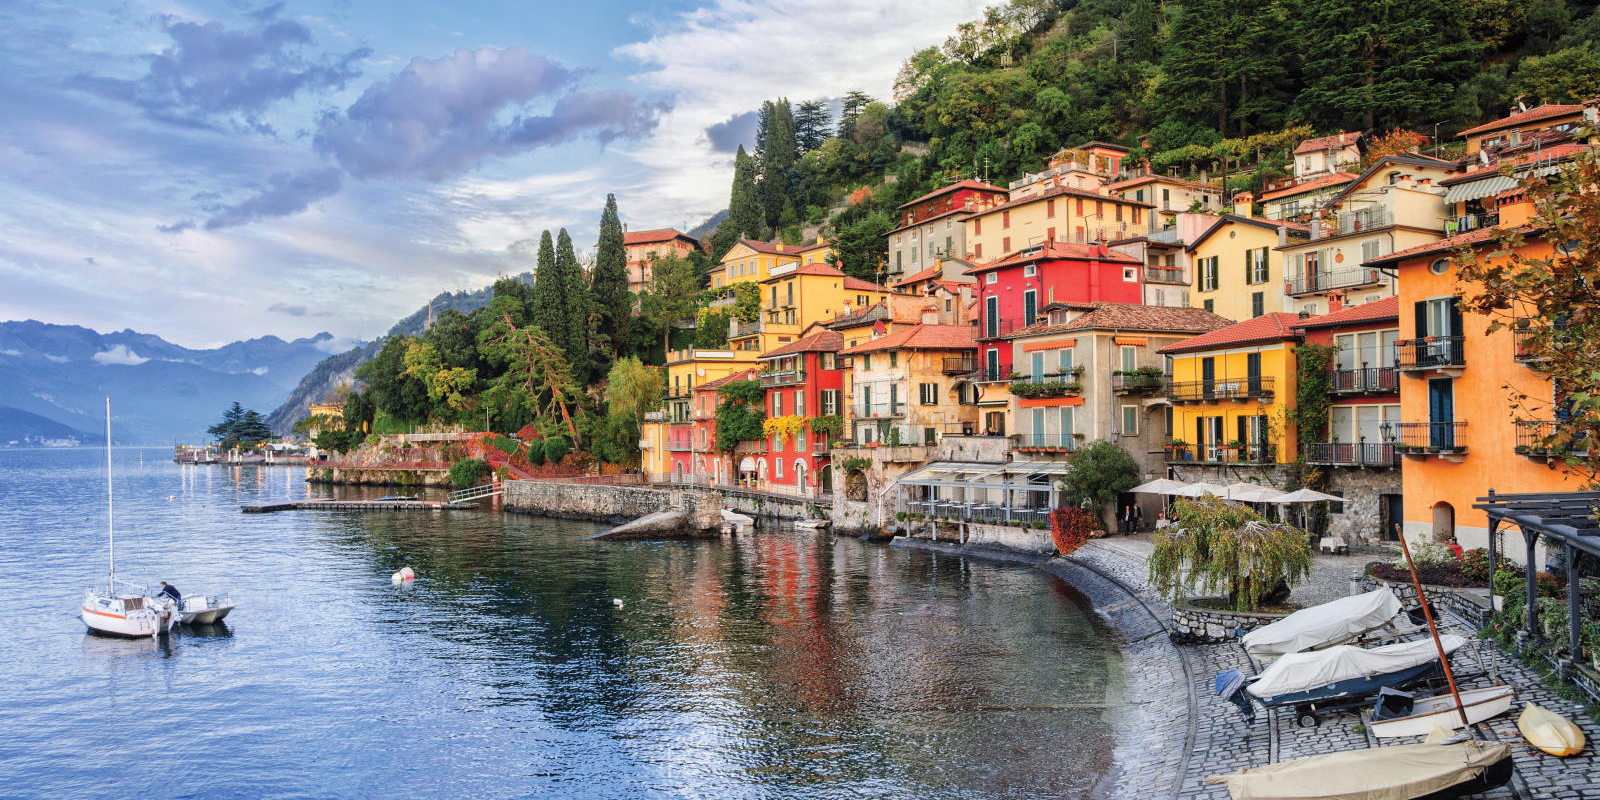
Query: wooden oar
x=1427, y=613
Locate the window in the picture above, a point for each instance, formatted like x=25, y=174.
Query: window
x=800, y=402
x=1005, y=244
x=928, y=394
x=774, y=297
x=1167, y=423
x=1210, y=305
x=977, y=226
x=1036, y=367
x=777, y=442
x=1130, y=420
x=894, y=358
x=1118, y=207
x=1208, y=274
x=991, y=278
x=1255, y=265
x=1138, y=214
x=991, y=314
x=929, y=435
x=1139, y=195
x=899, y=261
x=1050, y=234
x=828, y=360
x=1064, y=360
x=1130, y=275
x=777, y=468
x=1030, y=306
x=1440, y=266
x=777, y=404
x=991, y=365
x=1129, y=355
x=866, y=362
x=1005, y=220
x=1371, y=249
x=1066, y=422
x=1166, y=199
x=977, y=251
x=1258, y=304
x=1079, y=204
x=830, y=402
x=1050, y=207
x=1030, y=270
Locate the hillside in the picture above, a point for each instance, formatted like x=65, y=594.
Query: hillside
x=20, y=428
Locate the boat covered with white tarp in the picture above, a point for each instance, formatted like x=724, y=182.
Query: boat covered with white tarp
x=1302, y=673
x=1324, y=625
x=1402, y=772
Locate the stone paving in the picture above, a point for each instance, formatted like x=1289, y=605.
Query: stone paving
x=1216, y=739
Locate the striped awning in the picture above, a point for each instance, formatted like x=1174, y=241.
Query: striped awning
x=1477, y=190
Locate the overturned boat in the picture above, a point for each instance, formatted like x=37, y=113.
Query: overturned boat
x=1400, y=772
x=1337, y=678
x=1338, y=622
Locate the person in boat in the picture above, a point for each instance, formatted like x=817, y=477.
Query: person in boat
x=168, y=590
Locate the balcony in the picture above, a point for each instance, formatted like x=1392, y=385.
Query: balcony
x=1238, y=390
x=1351, y=222
x=1177, y=275
x=793, y=377
x=1137, y=382
x=737, y=329
x=879, y=410
x=987, y=328
x=1541, y=439
x=1327, y=280
x=1427, y=438
x=1363, y=380
x=1352, y=454
x=820, y=446
x=1050, y=384
x=1257, y=453
x=1472, y=222
x=680, y=445
x=1429, y=353
x=1045, y=442
x=960, y=366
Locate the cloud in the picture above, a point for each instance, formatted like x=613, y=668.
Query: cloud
x=285, y=194
x=296, y=311
x=259, y=371
x=739, y=129
x=211, y=74
x=337, y=344
x=10, y=352
x=439, y=118
x=119, y=355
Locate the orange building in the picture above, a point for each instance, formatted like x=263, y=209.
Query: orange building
x=1457, y=433
x=645, y=247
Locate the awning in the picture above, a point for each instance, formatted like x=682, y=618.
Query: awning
x=748, y=464
x=1476, y=190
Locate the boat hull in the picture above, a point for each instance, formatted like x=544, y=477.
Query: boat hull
x=210, y=616
x=1480, y=704
x=1550, y=732
x=1353, y=689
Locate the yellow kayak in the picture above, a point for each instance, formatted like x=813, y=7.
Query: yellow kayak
x=1549, y=731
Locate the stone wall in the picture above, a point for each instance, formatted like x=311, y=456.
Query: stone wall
x=378, y=477
x=1192, y=624
x=1025, y=540
x=1361, y=488
x=759, y=505
x=987, y=449
x=615, y=504
x=1471, y=605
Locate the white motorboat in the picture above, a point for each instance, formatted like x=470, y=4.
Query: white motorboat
x=116, y=610
x=1397, y=714
x=1338, y=622
x=200, y=609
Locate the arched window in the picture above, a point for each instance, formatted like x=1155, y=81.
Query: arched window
x=1444, y=522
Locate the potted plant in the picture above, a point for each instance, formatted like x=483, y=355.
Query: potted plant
x=1077, y=372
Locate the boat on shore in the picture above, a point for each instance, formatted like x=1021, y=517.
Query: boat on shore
x=1549, y=731
x=1342, y=621
x=1397, y=713
x=1397, y=772
x=1338, y=678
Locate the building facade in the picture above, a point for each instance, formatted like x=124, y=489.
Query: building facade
x=803, y=384
x=1238, y=269
x=931, y=227
x=645, y=247
x=1230, y=391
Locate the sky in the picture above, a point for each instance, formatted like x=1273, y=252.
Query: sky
x=212, y=171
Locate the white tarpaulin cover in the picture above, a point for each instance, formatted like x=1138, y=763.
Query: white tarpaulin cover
x=1379, y=773
x=1321, y=625
x=1300, y=672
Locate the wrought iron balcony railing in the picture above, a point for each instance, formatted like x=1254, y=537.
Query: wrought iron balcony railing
x=1257, y=453
x=1324, y=280
x=1044, y=442
x=1352, y=454
x=1422, y=438
x=784, y=378
x=1237, y=389
x=1363, y=379
x=1433, y=352
x=1137, y=382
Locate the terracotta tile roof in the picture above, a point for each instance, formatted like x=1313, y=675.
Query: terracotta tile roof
x=1275, y=327
x=1552, y=153
x=1143, y=179
x=713, y=385
x=1545, y=111
x=920, y=337
x=814, y=268
x=954, y=212
x=954, y=187
x=821, y=341
x=954, y=287
x=1323, y=182
x=772, y=248
x=1226, y=219
x=1060, y=191
x=1444, y=245
x=1386, y=309
x=1337, y=141
x=657, y=235
x=816, y=245
x=1133, y=317
x=927, y=274
x=1055, y=250
x=858, y=285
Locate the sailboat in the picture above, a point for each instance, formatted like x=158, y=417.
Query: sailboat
x=121, y=608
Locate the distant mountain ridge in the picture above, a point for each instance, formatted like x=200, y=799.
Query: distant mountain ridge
x=160, y=391
x=20, y=428
x=325, y=379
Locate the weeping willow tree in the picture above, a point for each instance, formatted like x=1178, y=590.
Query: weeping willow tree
x=1214, y=547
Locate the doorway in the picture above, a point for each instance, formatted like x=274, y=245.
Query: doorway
x=1391, y=512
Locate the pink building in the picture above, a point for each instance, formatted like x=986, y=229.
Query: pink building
x=802, y=381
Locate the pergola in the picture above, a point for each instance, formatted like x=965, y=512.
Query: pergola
x=1567, y=519
x=984, y=491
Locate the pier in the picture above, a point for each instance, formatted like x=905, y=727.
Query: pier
x=359, y=505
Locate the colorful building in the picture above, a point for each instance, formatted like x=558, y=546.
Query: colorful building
x=795, y=295
x=1396, y=203
x=752, y=261
x=931, y=227
x=710, y=464
x=803, y=383
x=686, y=370
x=1326, y=155
x=1170, y=196
x=1065, y=203
x=1358, y=463
x=1237, y=266
x=1513, y=129
x=903, y=387
x=1230, y=391
x=1168, y=270
x=645, y=247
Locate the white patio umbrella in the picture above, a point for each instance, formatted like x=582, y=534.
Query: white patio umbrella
x=1160, y=486
x=1304, y=496
x=1233, y=490
x=1257, y=494
x=1198, y=489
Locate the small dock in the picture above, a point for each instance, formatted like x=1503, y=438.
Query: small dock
x=357, y=505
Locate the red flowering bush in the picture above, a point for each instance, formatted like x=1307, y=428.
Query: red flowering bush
x=1070, y=528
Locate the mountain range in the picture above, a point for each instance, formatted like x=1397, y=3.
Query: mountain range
x=160, y=391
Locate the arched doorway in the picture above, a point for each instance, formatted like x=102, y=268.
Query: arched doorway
x=1444, y=522
x=825, y=480
x=800, y=475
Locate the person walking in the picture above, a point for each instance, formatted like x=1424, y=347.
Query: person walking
x=1137, y=520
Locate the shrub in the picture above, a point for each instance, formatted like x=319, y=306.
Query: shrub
x=536, y=452
x=1070, y=528
x=1427, y=554
x=1475, y=565
x=556, y=448
x=1214, y=546
x=468, y=472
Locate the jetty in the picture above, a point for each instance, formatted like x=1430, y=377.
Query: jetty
x=458, y=501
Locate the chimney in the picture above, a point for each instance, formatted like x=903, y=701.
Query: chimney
x=1304, y=314
x=1335, y=301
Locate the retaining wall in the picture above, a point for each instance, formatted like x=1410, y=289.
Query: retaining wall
x=1471, y=605
x=615, y=504
x=378, y=477
x=1193, y=624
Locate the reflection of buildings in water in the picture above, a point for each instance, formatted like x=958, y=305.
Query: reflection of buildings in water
x=806, y=658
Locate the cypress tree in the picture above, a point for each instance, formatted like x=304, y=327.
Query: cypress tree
x=744, y=213
x=608, y=287
x=776, y=154
x=549, y=290
x=573, y=338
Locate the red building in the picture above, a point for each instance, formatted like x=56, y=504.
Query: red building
x=643, y=247
x=932, y=226
x=709, y=464
x=1013, y=291
x=802, y=379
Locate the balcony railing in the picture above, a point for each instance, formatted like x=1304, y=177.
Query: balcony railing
x=993, y=513
x=1050, y=384
x=960, y=366
x=1420, y=438
x=879, y=410
x=680, y=445
x=1433, y=352
x=1352, y=454
x=1352, y=222
x=1237, y=389
x=986, y=328
x=1363, y=379
x=1044, y=442
x=785, y=378
x=820, y=445
x=1258, y=453
x=1472, y=222
x=1324, y=280
x=1166, y=275
x=1534, y=439
x=1137, y=382
x=737, y=329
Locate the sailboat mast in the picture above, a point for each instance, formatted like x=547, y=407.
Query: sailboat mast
x=111, y=528
x=1433, y=630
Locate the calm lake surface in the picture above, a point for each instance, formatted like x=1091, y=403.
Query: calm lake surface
x=783, y=665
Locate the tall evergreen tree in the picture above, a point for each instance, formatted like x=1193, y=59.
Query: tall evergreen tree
x=549, y=291
x=850, y=110
x=608, y=288
x=1380, y=65
x=776, y=154
x=811, y=124
x=574, y=336
x=744, y=210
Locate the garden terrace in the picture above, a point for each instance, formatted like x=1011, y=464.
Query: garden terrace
x=1049, y=384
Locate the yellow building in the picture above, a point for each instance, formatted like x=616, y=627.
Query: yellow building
x=1230, y=392
x=795, y=295
x=752, y=261
x=1237, y=269
x=906, y=387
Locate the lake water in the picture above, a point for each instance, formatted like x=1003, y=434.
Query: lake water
x=786, y=664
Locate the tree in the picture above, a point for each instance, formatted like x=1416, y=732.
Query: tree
x=1550, y=296
x=1396, y=142
x=1570, y=75
x=536, y=383
x=230, y=420
x=468, y=472
x=849, y=110
x=776, y=154
x=608, y=286
x=549, y=302
x=811, y=124
x=240, y=426
x=632, y=389
x=1216, y=546
x=739, y=414
x=572, y=334
x=670, y=297
x=859, y=246
x=1097, y=474
x=450, y=387
x=390, y=388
